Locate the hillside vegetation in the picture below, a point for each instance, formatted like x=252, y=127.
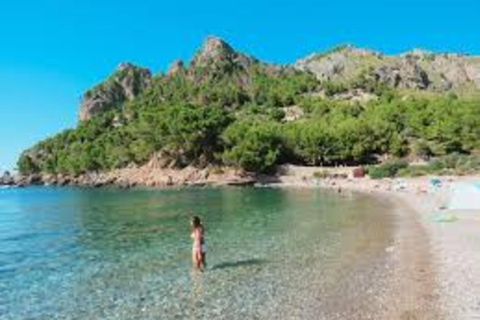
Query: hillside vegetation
x=227, y=108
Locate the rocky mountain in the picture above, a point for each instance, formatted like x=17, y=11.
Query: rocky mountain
x=418, y=69
x=218, y=57
x=345, y=65
x=214, y=60
x=227, y=108
x=126, y=83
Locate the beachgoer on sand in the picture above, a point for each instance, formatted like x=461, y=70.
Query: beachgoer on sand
x=198, y=250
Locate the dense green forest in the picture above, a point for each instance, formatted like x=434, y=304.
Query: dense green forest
x=235, y=115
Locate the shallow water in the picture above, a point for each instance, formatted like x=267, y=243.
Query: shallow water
x=115, y=254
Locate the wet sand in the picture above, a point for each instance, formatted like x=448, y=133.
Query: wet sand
x=413, y=294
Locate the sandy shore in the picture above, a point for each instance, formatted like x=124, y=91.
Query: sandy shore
x=436, y=270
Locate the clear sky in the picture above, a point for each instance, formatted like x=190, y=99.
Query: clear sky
x=51, y=51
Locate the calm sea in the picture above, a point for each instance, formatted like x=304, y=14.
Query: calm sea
x=117, y=254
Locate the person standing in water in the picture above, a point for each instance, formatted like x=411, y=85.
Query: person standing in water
x=198, y=250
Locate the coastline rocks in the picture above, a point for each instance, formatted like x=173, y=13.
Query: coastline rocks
x=249, y=181
x=31, y=180
x=152, y=174
x=7, y=179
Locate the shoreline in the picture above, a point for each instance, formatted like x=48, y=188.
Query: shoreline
x=414, y=290
x=436, y=274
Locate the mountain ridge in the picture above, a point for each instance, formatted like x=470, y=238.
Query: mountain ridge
x=417, y=69
x=226, y=108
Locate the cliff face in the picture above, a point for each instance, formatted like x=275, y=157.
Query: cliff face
x=126, y=83
x=417, y=69
x=215, y=59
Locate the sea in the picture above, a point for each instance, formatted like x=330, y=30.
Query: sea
x=272, y=253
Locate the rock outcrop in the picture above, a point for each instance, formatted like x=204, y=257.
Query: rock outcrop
x=7, y=179
x=176, y=67
x=417, y=69
x=216, y=57
x=406, y=74
x=127, y=82
x=340, y=64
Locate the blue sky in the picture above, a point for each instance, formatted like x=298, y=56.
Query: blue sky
x=51, y=51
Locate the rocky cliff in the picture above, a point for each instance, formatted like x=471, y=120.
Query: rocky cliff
x=218, y=56
x=418, y=69
x=127, y=82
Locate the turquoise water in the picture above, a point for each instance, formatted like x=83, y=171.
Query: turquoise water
x=116, y=254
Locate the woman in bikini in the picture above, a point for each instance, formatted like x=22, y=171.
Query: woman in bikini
x=198, y=250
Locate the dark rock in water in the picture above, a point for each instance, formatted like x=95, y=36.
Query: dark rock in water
x=63, y=180
x=241, y=182
x=34, y=179
x=97, y=184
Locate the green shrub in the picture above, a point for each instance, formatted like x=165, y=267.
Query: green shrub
x=387, y=170
x=252, y=147
x=413, y=171
x=422, y=149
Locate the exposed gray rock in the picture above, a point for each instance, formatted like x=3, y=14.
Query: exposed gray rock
x=357, y=95
x=293, y=113
x=407, y=75
x=338, y=64
x=417, y=69
x=176, y=67
x=7, y=179
x=123, y=85
x=217, y=55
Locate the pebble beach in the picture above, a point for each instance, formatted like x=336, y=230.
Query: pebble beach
x=441, y=243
